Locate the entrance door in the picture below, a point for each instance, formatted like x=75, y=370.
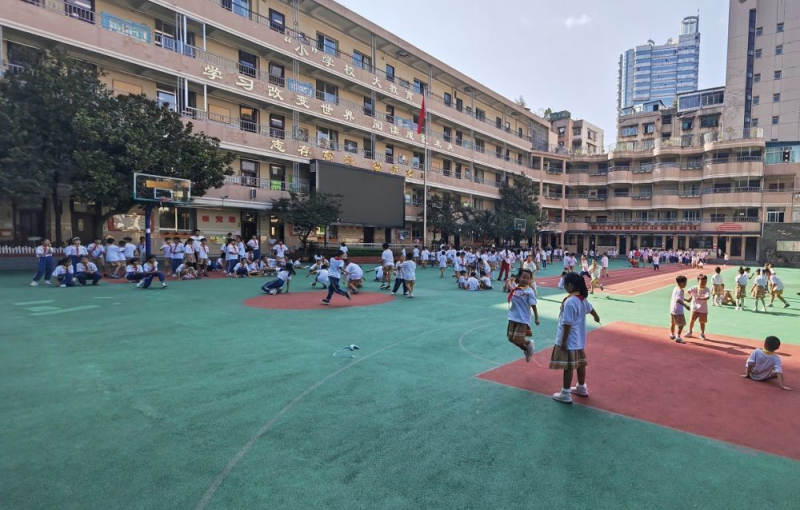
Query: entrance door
x=623, y=246
x=369, y=235
x=722, y=245
x=249, y=225
x=750, y=248
x=580, y=244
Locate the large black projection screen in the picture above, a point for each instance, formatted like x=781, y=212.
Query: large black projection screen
x=374, y=199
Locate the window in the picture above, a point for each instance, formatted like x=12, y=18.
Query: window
x=691, y=215
x=777, y=186
x=166, y=97
x=758, y=53
x=709, y=121
x=480, y=146
x=776, y=98
x=327, y=138
x=666, y=119
x=687, y=124
x=448, y=99
x=248, y=63
x=240, y=7
x=576, y=131
x=498, y=151
x=277, y=126
x=498, y=122
x=419, y=86
x=775, y=215
x=417, y=160
x=776, y=119
x=779, y=28
x=389, y=153
x=276, y=74
x=446, y=168
x=277, y=21
x=630, y=130
x=458, y=171
x=459, y=104
x=368, y=109
x=459, y=138
x=328, y=45
x=757, y=77
x=519, y=132
x=178, y=219
x=754, y=122
x=759, y=31
x=649, y=128
x=248, y=119
x=756, y=99
x=389, y=73
x=362, y=61
x=779, y=49
x=717, y=218
x=778, y=74
x=390, y=114
x=351, y=146
x=164, y=35
x=447, y=133
x=480, y=114
x=249, y=170
x=80, y=9
x=561, y=131
x=327, y=92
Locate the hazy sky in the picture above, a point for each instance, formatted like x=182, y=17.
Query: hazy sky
x=560, y=54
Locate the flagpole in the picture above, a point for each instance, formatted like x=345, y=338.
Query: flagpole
x=425, y=187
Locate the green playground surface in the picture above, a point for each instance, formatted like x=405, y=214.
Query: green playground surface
x=184, y=398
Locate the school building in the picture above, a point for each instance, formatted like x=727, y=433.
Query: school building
x=284, y=84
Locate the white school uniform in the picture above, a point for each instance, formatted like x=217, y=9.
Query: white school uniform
x=354, y=271
x=764, y=364
x=322, y=277
x=150, y=268
x=407, y=270
x=133, y=270
x=202, y=252
x=177, y=251
x=86, y=268
x=426, y=255
x=231, y=253
x=130, y=250
x=486, y=281
x=113, y=254
x=75, y=251
x=442, y=260
x=61, y=271
x=574, y=313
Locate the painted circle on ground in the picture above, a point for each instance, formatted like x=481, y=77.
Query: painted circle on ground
x=311, y=300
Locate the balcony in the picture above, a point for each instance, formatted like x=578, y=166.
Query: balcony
x=686, y=144
x=239, y=189
x=731, y=197
x=673, y=199
x=734, y=166
x=734, y=138
x=643, y=226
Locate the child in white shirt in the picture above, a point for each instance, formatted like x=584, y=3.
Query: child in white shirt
x=284, y=277
x=473, y=283
x=485, y=282
x=521, y=301
x=763, y=364
x=64, y=273
x=759, y=290
x=699, y=296
x=717, y=287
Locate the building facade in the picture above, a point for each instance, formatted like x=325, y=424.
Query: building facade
x=652, y=72
x=576, y=135
x=285, y=84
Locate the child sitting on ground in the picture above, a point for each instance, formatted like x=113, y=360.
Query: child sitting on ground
x=472, y=282
x=486, y=282
x=462, y=280
x=763, y=364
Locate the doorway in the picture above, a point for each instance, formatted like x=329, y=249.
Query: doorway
x=249, y=225
x=388, y=235
x=369, y=235
x=623, y=245
x=276, y=229
x=750, y=248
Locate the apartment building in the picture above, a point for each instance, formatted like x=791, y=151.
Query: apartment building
x=576, y=135
x=658, y=72
x=282, y=84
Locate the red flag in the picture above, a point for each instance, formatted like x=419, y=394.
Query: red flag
x=421, y=116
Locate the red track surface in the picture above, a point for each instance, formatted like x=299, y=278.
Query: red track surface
x=636, y=371
x=635, y=281
x=311, y=300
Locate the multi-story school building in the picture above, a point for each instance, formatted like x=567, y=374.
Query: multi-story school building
x=284, y=84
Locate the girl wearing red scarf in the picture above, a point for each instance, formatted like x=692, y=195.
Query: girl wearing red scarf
x=521, y=300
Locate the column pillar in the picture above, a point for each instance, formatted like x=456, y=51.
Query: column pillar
x=663, y=242
x=616, y=243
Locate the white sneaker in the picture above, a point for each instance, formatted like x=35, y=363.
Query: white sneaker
x=679, y=340
x=47, y=282
x=672, y=337
x=529, y=352
x=140, y=284
x=703, y=337
x=566, y=398
x=164, y=285
x=273, y=291
x=688, y=335
x=579, y=390
x=755, y=309
x=63, y=286
x=34, y=284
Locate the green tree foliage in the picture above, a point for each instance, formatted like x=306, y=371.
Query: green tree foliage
x=446, y=215
x=307, y=211
x=133, y=134
x=38, y=108
x=61, y=127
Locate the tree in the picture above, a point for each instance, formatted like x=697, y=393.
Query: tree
x=133, y=134
x=60, y=128
x=38, y=108
x=519, y=199
x=521, y=102
x=307, y=211
x=445, y=215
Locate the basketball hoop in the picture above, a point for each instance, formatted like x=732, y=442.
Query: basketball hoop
x=162, y=203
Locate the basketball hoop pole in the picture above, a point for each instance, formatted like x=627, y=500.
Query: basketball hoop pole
x=148, y=218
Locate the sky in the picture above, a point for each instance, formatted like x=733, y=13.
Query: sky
x=561, y=54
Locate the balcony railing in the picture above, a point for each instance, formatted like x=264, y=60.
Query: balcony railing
x=270, y=184
x=734, y=159
x=731, y=134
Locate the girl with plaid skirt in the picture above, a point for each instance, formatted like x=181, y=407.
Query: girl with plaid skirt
x=568, y=351
x=521, y=300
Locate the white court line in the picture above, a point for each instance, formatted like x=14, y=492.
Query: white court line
x=212, y=489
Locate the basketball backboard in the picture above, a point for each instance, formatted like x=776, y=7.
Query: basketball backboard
x=158, y=188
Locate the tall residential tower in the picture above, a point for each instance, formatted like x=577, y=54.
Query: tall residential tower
x=660, y=72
